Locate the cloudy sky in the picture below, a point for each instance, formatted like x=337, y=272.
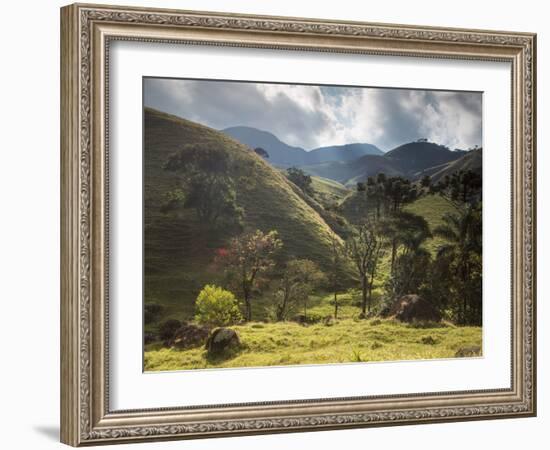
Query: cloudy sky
x=315, y=116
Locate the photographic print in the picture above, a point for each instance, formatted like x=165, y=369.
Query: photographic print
x=289, y=224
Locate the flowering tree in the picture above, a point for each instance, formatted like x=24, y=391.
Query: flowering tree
x=246, y=257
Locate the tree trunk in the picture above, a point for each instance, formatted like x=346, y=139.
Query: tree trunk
x=364, y=289
x=369, y=301
x=393, y=253
x=248, y=306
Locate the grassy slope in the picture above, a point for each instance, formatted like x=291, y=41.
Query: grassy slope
x=470, y=161
x=286, y=343
x=432, y=208
x=179, y=250
x=328, y=191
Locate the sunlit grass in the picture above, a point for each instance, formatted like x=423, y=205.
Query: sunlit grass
x=348, y=340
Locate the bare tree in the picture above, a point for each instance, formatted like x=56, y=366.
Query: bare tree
x=364, y=248
x=297, y=281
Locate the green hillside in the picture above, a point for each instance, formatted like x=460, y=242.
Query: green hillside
x=433, y=208
x=328, y=192
x=470, y=161
x=179, y=249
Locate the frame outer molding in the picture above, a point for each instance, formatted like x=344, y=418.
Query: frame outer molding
x=70, y=242
x=85, y=34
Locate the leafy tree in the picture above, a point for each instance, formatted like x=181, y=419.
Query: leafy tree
x=300, y=179
x=410, y=273
x=261, y=152
x=387, y=195
x=204, y=171
x=426, y=181
x=216, y=307
x=460, y=188
x=365, y=248
x=405, y=230
x=297, y=281
x=173, y=200
x=248, y=256
x=463, y=249
x=399, y=191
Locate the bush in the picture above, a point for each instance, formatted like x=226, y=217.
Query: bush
x=168, y=328
x=216, y=307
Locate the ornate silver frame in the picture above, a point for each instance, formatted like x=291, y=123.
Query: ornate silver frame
x=86, y=31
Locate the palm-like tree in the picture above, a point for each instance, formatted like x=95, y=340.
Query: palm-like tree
x=407, y=231
x=462, y=233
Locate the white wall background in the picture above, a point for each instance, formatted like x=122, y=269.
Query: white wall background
x=29, y=224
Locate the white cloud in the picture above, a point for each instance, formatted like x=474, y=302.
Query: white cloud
x=313, y=116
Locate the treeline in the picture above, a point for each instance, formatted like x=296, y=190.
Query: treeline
x=380, y=228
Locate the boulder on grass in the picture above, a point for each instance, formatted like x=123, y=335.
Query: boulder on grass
x=222, y=340
x=412, y=308
x=168, y=328
x=188, y=336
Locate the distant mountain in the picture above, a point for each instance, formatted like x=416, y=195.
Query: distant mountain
x=417, y=156
x=284, y=155
x=280, y=154
x=413, y=161
x=346, y=152
x=352, y=163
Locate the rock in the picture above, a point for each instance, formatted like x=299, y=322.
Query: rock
x=188, y=336
x=412, y=308
x=428, y=340
x=328, y=321
x=301, y=319
x=168, y=328
x=468, y=352
x=221, y=340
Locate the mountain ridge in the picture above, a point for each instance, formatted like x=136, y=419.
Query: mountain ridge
x=284, y=155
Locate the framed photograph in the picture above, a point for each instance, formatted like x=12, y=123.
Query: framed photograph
x=275, y=224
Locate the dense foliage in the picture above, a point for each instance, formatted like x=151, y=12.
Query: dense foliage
x=216, y=307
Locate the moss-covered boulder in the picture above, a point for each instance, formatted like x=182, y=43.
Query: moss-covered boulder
x=222, y=340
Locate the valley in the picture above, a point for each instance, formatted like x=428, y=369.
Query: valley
x=279, y=236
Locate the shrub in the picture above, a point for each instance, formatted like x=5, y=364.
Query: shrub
x=216, y=307
x=168, y=328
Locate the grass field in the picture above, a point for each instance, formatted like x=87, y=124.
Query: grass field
x=348, y=340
